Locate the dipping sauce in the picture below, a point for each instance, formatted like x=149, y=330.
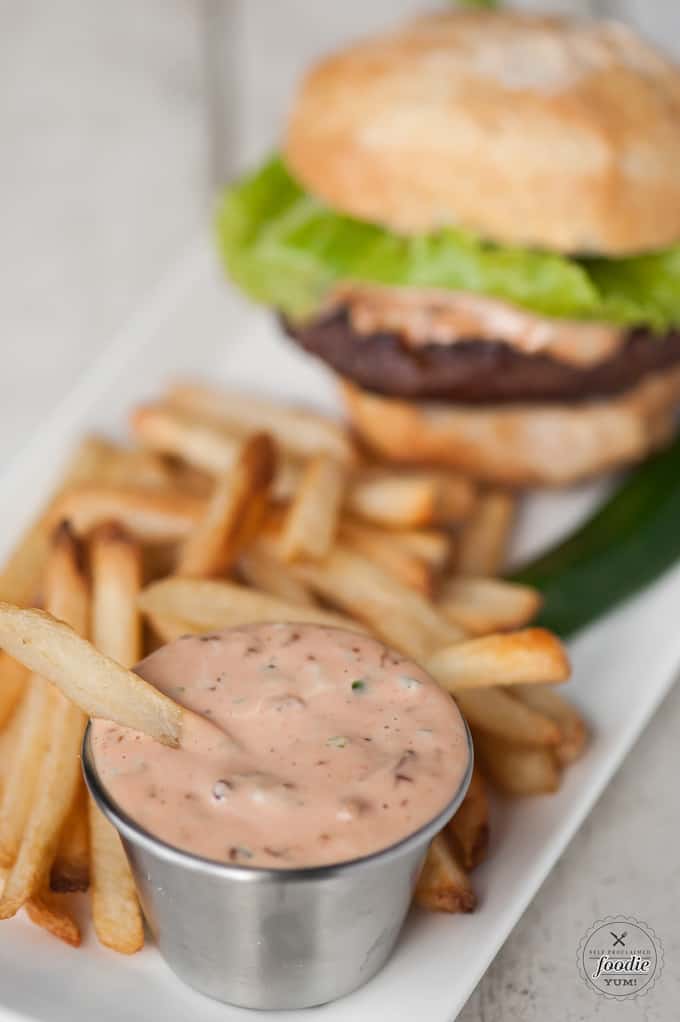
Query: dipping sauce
x=331, y=746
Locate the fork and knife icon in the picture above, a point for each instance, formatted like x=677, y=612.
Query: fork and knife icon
x=618, y=939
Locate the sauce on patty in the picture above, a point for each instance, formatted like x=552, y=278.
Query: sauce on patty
x=330, y=746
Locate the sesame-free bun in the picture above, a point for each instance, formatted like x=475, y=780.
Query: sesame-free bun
x=545, y=131
x=519, y=445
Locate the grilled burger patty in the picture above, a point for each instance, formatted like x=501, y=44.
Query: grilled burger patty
x=477, y=371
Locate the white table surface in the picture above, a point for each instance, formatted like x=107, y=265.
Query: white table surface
x=112, y=132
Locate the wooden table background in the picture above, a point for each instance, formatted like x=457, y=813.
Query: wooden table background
x=117, y=121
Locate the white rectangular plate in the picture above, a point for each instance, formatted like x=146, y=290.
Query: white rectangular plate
x=623, y=668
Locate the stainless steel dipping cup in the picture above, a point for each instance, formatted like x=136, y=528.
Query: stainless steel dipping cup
x=272, y=938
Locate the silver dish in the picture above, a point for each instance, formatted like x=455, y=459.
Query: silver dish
x=268, y=938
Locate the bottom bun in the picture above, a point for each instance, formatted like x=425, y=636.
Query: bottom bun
x=520, y=445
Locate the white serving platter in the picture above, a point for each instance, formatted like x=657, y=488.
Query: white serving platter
x=623, y=667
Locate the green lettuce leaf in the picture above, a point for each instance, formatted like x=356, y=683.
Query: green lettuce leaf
x=286, y=249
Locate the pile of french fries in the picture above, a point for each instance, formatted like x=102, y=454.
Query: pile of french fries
x=226, y=510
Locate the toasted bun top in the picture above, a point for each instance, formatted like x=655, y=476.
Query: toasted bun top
x=543, y=131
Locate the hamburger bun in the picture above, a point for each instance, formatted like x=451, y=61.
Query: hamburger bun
x=550, y=132
x=532, y=444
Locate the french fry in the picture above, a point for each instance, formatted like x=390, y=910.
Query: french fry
x=400, y=616
x=65, y=596
x=263, y=572
x=530, y=656
x=98, y=685
x=573, y=728
x=234, y=512
x=116, y=565
x=483, y=605
x=9, y=737
x=165, y=628
x=199, y=443
x=116, y=579
x=395, y=499
x=387, y=551
x=433, y=546
x=113, y=465
x=515, y=769
x=13, y=682
x=21, y=576
x=190, y=479
x=484, y=538
x=50, y=912
x=94, y=461
x=493, y=711
x=301, y=432
x=154, y=516
x=115, y=908
x=311, y=521
x=205, y=605
x=59, y=773
x=443, y=884
x=384, y=496
x=30, y=747
x=71, y=867
x=469, y=827
x=457, y=498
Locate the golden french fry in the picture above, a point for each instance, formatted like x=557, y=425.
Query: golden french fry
x=483, y=605
x=573, y=728
x=262, y=571
x=21, y=576
x=311, y=521
x=301, y=432
x=113, y=465
x=233, y=513
x=530, y=656
x=394, y=499
x=495, y=712
x=516, y=769
x=115, y=908
x=384, y=496
x=30, y=746
x=385, y=550
x=59, y=771
x=155, y=516
x=95, y=683
x=13, y=684
x=9, y=737
x=433, y=546
x=169, y=431
x=95, y=461
x=165, y=628
x=484, y=538
x=116, y=565
x=401, y=617
x=457, y=498
x=469, y=827
x=189, y=478
x=205, y=605
x=66, y=597
x=443, y=884
x=71, y=867
x=116, y=579
x=50, y=912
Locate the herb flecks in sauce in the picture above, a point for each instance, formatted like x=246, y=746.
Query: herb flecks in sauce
x=318, y=762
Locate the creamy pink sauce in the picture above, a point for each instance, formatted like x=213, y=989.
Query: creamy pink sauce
x=331, y=746
x=434, y=316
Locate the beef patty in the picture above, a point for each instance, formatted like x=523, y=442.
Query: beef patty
x=477, y=371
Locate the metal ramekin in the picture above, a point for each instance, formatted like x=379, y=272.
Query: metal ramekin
x=267, y=938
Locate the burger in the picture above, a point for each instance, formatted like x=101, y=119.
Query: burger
x=475, y=221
